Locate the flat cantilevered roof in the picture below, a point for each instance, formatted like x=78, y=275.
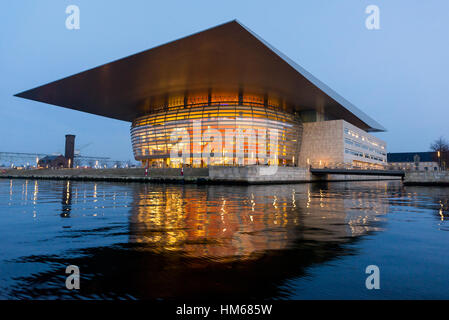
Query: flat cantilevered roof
x=222, y=58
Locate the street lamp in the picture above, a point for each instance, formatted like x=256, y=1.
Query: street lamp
x=439, y=160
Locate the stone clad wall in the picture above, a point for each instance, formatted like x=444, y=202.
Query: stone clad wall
x=259, y=174
x=322, y=141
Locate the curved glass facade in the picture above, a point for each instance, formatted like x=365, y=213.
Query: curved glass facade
x=209, y=133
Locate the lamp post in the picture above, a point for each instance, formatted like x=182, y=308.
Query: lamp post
x=439, y=160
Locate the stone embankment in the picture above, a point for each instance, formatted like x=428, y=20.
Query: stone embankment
x=427, y=178
x=216, y=174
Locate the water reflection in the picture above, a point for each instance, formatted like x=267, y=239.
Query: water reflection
x=237, y=223
x=66, y=200
x=166, y=241
x=435, y=199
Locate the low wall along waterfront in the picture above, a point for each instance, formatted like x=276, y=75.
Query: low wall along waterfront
x=214, y=174
x=427, y=178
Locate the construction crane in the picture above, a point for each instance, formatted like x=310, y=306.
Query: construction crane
x=77, y=152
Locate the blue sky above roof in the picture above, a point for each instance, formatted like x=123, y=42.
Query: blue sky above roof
x=397, y=75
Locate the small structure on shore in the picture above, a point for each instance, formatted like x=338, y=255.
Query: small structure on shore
x=56, y=161
x=60, y=161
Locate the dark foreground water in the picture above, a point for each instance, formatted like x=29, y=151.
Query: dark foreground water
x=304, y=241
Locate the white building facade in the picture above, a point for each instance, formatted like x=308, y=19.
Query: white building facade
x=337, y=143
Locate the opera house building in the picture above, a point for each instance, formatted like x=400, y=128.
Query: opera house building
x=189, y=100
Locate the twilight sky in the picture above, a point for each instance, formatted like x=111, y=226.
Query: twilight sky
x=398, y=75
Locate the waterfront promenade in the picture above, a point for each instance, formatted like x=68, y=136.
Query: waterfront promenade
x=215, y=174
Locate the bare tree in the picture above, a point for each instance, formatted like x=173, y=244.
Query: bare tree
x=440, y=144
x=441, y=147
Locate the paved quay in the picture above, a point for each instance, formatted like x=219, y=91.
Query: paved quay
x=213, y=175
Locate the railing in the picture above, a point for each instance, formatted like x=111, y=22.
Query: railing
x=348, y=166
x=355, y=171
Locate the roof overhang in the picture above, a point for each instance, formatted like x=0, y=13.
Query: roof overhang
x=225, y=57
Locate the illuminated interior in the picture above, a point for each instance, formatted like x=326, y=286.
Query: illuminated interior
x=152, y=134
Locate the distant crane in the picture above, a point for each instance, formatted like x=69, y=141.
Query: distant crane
x=77, y=152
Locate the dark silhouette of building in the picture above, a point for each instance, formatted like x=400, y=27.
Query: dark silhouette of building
x=60, y=161
x=69, y=149
x=57, y=161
